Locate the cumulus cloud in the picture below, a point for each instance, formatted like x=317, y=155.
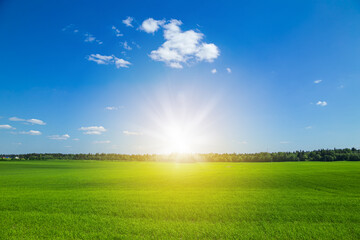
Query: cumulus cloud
x=6, y=126
x=32, y=121
x=183, y=47
x=128, y=21
x=102, y=59
x=59, y=137
x=321, y=103
x=31, y=132
x=151, y=25
x=317, y=81
x=117, y=32
x=91, y=38
x=94, y=130
x=228, y=70
x=132, y=133
x=213, y=71
x=102, y=142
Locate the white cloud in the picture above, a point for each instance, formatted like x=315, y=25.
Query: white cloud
x=126, y=46
x=94, y=130
x=16, y=119
x=207, y=52
x=6, y=126
x=117, y=32
x=76, y=139
x=321, y=103
x=183, y=47
x=36, y=121
x=317, y=81
x=102, y=142
x=60, y=137
x=32, y=121
x=151, y=25
x=128, y=21
x=31, y=132
x=132, y=133
x=121, y=63
x=102, y=59
x=68, y=27
x=112, y=108
x=228, y=70
x=91, y=38
x=213, y=71
x=308, y=127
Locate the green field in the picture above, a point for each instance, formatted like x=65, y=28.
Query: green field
x=135, y=200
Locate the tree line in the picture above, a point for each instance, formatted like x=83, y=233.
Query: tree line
x=323, y=155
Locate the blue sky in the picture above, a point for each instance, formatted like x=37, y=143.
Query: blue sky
x=159, y=77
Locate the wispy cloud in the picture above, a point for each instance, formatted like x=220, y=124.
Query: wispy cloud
x=32, y=121
x=117, y=32
x=183, y=47
x=228, y=70
x=132, y=133
x=6, y=126
x=102, y=59
x=102, y=142
x=126, y=46
x=128, y=21
x=213, y=71
x=317, y=81
x=36, y=121
x=112, y=108
x=31, y=132
x=322, y=103
x=59, y=137
x=151, y=25
x=93, y=130
x=70, y=28
x=308, y=127
x=76, y=139
x=91, y=38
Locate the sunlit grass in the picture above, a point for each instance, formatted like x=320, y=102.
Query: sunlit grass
x=134, y=200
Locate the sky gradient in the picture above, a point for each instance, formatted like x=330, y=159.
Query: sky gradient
x=225, y=76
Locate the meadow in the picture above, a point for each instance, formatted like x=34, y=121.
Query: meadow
x=149, y=200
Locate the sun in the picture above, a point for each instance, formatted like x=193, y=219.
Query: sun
x=180, y=121
x=178, y=139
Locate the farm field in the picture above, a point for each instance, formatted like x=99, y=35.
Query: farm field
x=149, y=200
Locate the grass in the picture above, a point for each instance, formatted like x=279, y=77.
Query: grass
x=147, y=200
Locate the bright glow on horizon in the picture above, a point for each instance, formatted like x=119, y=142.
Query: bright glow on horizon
x=179, y=140
x=179, y=122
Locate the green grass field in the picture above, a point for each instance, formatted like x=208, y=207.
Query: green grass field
x=135, y=200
